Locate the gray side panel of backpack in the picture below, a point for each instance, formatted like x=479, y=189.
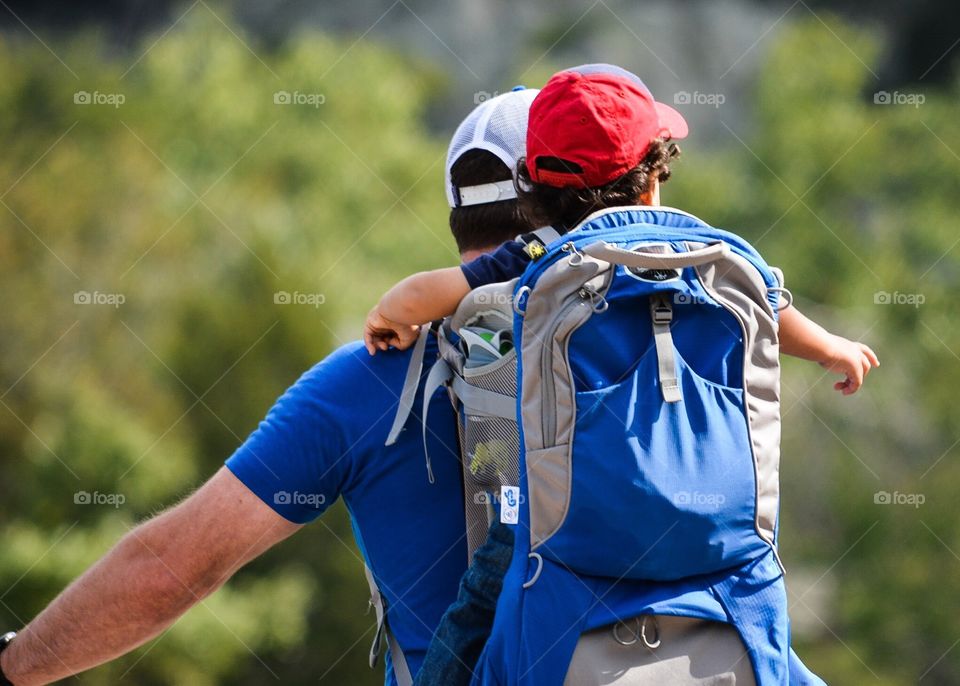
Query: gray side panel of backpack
x=735, y=284
x=489, y=441
x=554, y=309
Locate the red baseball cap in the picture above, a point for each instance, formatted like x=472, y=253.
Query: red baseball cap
x=598, y=118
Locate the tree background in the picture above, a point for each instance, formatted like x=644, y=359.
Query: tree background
x=200, y=200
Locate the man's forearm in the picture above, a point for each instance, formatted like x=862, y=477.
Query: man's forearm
x=152, y=576
x=124, y=600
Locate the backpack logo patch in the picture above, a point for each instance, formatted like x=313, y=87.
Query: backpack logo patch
x=654, y=275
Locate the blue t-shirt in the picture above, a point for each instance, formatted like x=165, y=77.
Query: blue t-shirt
x=324, y=438
x=505, y=263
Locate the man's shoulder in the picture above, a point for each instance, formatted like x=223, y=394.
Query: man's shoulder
x=352, y=378
x=352, y=363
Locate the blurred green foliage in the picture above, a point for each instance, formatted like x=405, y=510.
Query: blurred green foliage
x=199, y=199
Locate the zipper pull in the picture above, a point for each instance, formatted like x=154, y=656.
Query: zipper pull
x=576, y=257
x=597, y=301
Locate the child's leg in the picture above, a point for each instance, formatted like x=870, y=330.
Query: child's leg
x=465, y=626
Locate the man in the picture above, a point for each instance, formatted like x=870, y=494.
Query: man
x=322, y=440
x=680, y=635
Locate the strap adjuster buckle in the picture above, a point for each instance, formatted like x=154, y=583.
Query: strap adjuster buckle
x=662, y=313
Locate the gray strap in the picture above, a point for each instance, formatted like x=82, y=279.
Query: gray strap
x=661, y=313
x=480, y=401
x=439, y=375
x=400, y=668
x=410, y=384
x=547, y=234
x=376, y=602
x=648, y=260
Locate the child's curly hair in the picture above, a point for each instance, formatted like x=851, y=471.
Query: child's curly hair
x=564, y=208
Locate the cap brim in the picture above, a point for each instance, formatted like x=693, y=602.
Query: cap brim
x=672, y=121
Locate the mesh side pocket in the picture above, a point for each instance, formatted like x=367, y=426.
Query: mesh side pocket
x=491, y=449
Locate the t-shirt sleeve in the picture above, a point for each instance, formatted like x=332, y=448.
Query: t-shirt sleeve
x=505, y=263
x=297, y=460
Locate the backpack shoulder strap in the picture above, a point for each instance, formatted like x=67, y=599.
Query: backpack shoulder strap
x=410, y=385
x=535, y=243
x=400, y=668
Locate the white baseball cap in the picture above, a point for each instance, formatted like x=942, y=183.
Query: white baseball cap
x=499, y=126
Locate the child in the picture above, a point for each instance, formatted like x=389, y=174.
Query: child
x=556, y=191
x=561, y=192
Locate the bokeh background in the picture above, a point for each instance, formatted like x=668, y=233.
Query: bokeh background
x=170, y=171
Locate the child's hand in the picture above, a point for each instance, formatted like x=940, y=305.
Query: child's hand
x=379, y=333
x=852, y=359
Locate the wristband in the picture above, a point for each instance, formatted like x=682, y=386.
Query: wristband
x=5, y=641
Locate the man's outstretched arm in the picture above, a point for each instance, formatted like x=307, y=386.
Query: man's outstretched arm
x=152, y=575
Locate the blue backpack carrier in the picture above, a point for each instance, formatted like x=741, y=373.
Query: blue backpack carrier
x=632, y=432
x=648, y=380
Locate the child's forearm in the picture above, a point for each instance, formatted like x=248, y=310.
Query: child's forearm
x=425, y=297
x=802, y=337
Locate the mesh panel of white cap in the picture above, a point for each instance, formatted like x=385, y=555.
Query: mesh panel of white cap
x=498, y=125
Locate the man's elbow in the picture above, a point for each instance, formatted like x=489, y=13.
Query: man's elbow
x=171, y=579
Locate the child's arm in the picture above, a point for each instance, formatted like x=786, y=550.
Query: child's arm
x=801, y=337
x=418, y=299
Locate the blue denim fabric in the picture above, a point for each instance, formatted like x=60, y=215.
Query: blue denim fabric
x=465, y=626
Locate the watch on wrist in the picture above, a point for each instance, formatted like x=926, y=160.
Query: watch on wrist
x=5, y=641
